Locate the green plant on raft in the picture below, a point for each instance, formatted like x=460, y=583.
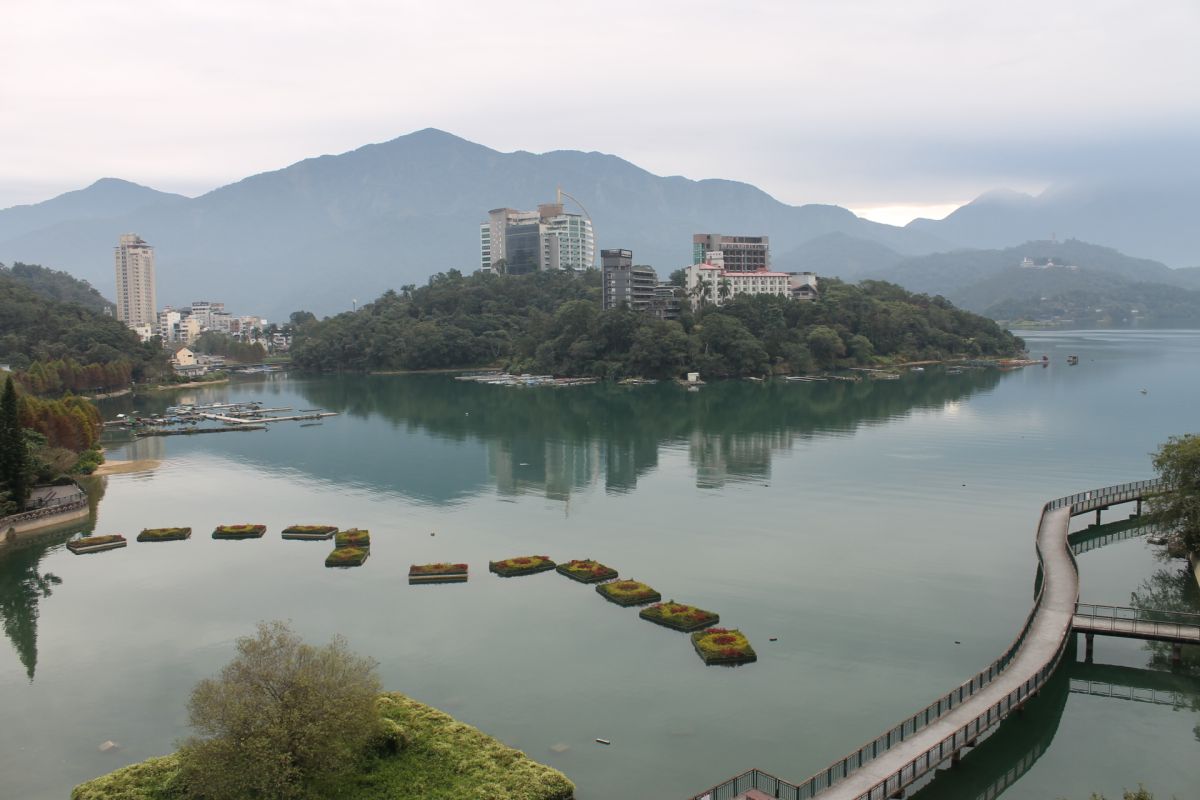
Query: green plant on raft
x=521, y=565
x=310, y=529
x=723, y=646
x=679, y=616
x=586, y=570
x=164, y=534
x=628, y=593
x=96, y=542
x=240, y=531
x=347, y=557
x=440, y=568
x=353, y=538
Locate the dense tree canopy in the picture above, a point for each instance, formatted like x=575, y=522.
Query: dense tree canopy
x=551, y=322
x=56, y=285
x=82, y=349
x=282, y=719
x=1178, y=507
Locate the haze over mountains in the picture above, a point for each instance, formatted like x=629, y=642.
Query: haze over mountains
x=325, y=231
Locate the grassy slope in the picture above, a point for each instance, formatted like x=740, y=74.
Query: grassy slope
x=445, y=760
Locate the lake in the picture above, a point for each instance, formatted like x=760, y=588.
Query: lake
x=881, y=531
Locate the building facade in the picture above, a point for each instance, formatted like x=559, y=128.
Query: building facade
x=712, y=284
x=134, y=263
x=626, y=283
x=737, y=253
x=519, y=242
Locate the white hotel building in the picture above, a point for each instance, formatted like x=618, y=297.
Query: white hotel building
x=711, y=284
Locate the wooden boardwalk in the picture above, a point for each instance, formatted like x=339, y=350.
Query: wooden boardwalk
x=1150, y=629
x=1043, y=645
x=906, y=753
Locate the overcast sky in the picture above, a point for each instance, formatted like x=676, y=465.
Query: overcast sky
x=885, y=107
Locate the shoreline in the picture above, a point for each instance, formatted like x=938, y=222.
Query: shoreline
x=126, y=467
x=190, y=385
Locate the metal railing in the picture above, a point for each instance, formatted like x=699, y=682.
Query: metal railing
x=1106, y=496
x=50, y=508
x=932, y=756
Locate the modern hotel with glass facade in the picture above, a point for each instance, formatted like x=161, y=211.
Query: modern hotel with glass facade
x=519, y=242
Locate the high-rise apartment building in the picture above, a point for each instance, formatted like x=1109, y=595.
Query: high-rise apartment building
x=519, y=242
x=135, y=282
x=737, y=253
x=625, y=283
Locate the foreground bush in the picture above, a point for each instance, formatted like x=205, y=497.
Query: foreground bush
x=415, y=753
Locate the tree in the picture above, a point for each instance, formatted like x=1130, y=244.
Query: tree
x=825, y=345
x=1178, y=506
x=14, y=452
x=281, y=720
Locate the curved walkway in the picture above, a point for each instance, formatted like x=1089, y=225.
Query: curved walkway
x=903, y=754
x=1035, y=660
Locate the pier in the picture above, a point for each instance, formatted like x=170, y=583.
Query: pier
x=940, y=733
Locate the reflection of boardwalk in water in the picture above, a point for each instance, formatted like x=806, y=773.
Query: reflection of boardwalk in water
x=1004, y=757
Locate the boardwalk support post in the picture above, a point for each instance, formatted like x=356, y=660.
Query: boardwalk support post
x=1176, y=654
x=1097, y=516
x=1087, y=653
x=1138, y=513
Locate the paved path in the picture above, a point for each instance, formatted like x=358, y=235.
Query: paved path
x=1051, y=625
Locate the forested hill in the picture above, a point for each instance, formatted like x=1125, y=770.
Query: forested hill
x=56, y=285
x=551, y=323
x=62, y=346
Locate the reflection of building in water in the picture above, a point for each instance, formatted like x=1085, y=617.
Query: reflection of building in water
x=719, y=458
x=558, y=467
x=147, y=448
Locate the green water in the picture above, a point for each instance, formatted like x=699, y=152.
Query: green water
x=881, y=531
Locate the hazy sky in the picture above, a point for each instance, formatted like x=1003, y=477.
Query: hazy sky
x=884, y=107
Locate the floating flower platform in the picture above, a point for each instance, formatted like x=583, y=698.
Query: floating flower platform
x=587, y=571
x=437, y=573
x=353, y=538
x=164, y=534
x=309, y=533
x=239, y=531
x=628, y=593
x=723, y=646
x=95, y=544
x=680, y=617
x=521, y=565
x=347, y=557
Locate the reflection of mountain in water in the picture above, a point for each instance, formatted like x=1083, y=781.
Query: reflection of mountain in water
x=22, y=588
x=559, y=440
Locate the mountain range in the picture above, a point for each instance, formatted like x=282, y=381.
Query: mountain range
x=326, y=231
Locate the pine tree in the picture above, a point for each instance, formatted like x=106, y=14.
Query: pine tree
x=14, y=453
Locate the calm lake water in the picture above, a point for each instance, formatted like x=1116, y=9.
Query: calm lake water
x=882, y=531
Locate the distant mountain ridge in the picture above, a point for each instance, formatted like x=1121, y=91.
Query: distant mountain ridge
x=1153, y=217
x=327, y=230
